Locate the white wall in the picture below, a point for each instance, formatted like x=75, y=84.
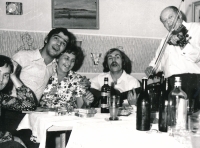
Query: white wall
x=139, y=18
x=188, y=9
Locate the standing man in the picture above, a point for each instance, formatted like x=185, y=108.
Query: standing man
x=181, y=56
x=37, y=65
x=117, y=67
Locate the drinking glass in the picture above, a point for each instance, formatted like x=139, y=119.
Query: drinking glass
x=113, y=107
x=194, y=129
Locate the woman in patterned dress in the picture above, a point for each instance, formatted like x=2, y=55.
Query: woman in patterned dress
x=64, y=88
x=23, y=100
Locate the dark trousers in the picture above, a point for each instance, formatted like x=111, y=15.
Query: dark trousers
x=10, y=121
x=11, y=144
x=190, y=84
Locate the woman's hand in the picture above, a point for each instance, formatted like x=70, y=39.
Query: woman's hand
x=85, y=82
x=88, y=98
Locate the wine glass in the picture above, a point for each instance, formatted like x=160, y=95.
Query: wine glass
x=96, y=58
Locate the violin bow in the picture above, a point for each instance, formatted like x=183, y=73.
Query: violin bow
x=162, y=50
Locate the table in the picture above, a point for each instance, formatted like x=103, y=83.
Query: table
x=95, y=131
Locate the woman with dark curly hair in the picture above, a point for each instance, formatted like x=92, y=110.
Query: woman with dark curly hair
x=24, y=98
x=64, y=88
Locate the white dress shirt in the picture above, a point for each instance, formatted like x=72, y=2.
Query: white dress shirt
x=178, y=61
x=35, y=73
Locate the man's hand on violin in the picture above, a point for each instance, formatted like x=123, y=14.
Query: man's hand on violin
x=174, y=39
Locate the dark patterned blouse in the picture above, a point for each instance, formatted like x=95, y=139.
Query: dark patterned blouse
x=24, y=101
x=63, y=94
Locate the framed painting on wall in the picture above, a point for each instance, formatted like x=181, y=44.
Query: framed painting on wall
x=196, y=11
x=75, y=14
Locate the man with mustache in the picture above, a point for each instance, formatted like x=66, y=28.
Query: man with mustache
x=180, y=59
x=117, y=67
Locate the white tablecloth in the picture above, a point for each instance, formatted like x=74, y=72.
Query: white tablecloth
x=39, y=123
x=117, y=134
x=96, y=131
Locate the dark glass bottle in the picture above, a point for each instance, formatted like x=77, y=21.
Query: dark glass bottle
x=154, y=97
x=105, y=96
x=143, y=109
x=163, y=106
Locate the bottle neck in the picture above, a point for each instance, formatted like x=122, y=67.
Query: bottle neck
x=166, y=84
x=177, y=84
x=144, y=84
x=105, y=82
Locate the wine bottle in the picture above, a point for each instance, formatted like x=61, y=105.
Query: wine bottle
x=154, y=97
x=163, y=106
x=105, y=96
x=177, y=109
x=143, y=109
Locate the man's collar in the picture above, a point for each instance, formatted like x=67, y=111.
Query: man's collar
x=37, y=55
x=122, y=77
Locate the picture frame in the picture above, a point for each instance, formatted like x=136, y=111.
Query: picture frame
x=196, y=11
x=75, y=14
x=14, y=8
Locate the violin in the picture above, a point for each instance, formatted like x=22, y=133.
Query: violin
x=181, y=33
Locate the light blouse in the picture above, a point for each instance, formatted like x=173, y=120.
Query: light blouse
x=63, y=94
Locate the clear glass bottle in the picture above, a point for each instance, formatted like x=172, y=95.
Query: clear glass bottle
x=177, y=107
x=143, y=109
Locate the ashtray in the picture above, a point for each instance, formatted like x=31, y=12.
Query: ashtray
x=84, y=115
x=123, y=112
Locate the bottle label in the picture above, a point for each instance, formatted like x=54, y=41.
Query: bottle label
x=103, y=94
x=181, y=113
x=104, y=105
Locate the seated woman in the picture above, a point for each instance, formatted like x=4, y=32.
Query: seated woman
x=24, y=98
x=64, y=88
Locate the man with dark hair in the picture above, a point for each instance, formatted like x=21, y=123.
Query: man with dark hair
x=181, y=55
x=37, y=65
x=117, y=67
